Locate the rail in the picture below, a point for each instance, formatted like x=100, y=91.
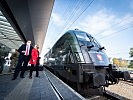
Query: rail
x=57, y=93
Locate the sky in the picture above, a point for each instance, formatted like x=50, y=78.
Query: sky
x=110, y=22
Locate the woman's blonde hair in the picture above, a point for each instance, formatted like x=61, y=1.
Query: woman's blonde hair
x=37, y=46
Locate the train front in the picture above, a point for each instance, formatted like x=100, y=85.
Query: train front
x=97, y=70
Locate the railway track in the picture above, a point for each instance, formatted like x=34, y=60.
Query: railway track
x=123, y=89
x=128, y=82
x=107, y=95
x=113, y=96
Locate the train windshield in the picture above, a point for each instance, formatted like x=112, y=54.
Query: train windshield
x=87, y=40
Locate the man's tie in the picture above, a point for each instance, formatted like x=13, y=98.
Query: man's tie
x=27, y=50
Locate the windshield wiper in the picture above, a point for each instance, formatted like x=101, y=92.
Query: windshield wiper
x=102, y=48
x=90, y=46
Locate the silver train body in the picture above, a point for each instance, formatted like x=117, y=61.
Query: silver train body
x=79, y=58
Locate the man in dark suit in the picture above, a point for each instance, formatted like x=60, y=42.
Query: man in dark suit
x=24, y=57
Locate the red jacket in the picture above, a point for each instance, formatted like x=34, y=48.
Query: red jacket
x=34, y=56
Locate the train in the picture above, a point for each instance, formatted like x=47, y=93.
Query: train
x=80, y=59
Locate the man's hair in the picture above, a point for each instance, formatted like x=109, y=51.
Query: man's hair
x=28, y=41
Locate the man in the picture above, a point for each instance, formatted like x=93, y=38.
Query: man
x=24, y=57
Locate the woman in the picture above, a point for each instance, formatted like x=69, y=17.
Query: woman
x=33, y=60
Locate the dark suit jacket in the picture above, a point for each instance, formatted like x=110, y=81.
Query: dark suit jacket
x=23, y=48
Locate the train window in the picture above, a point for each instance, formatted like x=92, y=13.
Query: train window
x=68, y=58
x=71, y=58
x=81, y=35
x=64, y=58
x=93, y=41
x=87, y=40
x=82, y=38
x=59, y=60
x=75, y=48
x=71, y=39
x=85, y=43
x=81, y=42
x=79, y=57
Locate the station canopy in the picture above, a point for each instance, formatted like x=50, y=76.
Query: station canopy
x=8, y=35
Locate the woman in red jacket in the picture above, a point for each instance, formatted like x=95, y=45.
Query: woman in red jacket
x=34, y=58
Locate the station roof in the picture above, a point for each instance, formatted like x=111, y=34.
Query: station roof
x=22, y=20
x=8, y=35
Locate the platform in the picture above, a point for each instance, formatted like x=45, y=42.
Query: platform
x=46, y=87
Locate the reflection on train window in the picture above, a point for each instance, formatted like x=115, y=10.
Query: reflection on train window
x=58, y=60
x=81, y=35
x=75, y=48
x=79, y=57
x=87, y=40
x=71, y=57
x=70, y=39
x=68, y=58
x=81, y=43
x=64, y=58
x=95, y=43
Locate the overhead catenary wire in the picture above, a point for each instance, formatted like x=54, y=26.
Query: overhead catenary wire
x=80, y=14
x=116, y=32
x=72, y=13
x=84, y=7
x=77, y=16
x=67, y=6
x=114, y=25
x=67, y=13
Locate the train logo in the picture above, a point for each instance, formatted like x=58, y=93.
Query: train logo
x=99, y=57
